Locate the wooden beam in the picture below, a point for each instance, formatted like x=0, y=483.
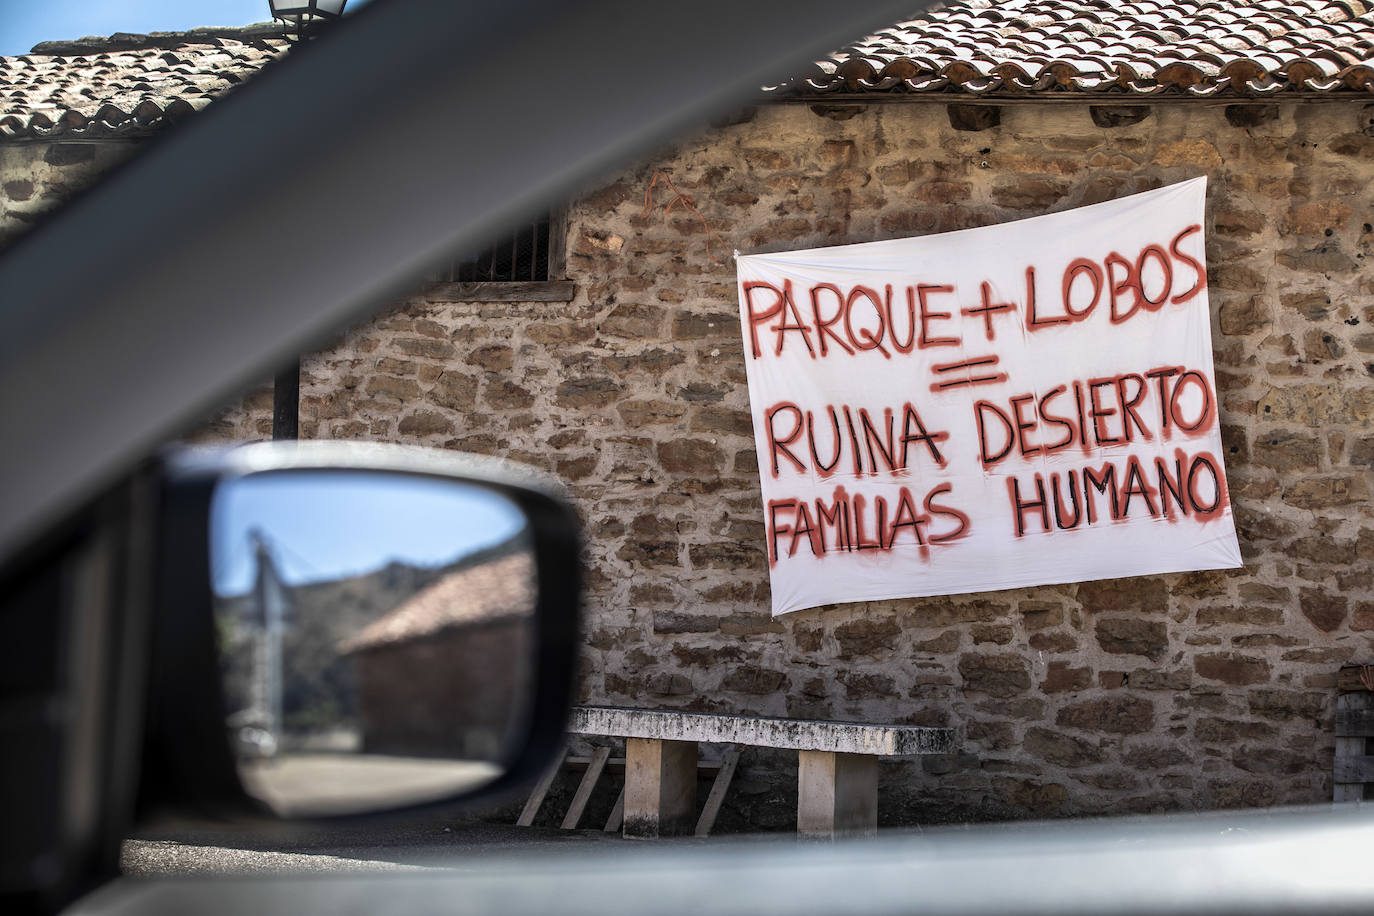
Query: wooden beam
x=1118, y=115
x=585, y=788
x=617, y=764
x=558, y=243
x=973, y=117
x=717, y=795
x=536, y=799
x=1349, y=678
x=617, y=813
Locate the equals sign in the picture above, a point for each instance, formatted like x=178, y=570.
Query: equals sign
x=982, y=365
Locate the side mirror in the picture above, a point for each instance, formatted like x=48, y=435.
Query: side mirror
x=344, y=629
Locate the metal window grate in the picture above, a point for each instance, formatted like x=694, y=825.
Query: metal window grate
x=523, y=255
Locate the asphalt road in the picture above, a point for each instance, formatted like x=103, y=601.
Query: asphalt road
x=417, y=845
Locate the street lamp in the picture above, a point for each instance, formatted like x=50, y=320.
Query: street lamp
x=303, y=16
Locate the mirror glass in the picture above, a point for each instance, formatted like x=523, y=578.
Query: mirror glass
x=376, y=634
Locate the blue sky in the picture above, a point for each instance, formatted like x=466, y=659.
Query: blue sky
x=330, y=524
x=24, y=23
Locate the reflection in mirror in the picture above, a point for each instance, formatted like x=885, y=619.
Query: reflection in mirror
x=375, y=633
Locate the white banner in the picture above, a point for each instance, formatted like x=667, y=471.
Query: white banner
x=1016, y=405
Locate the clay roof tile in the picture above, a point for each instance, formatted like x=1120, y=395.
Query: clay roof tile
x=1178, y=48
x=502, y=589
x=1143, y=47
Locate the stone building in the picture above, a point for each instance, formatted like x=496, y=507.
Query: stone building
x=435, y=674
x=623, y=375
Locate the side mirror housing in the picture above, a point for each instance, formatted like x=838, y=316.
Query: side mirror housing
x=346, y=629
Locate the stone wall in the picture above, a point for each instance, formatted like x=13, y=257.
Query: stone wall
x=36, y=176
x=1183, y=691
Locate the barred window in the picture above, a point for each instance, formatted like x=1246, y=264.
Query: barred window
x=523, y=255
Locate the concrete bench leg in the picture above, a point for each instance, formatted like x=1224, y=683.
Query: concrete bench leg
x=837, y=794
x=660, y=787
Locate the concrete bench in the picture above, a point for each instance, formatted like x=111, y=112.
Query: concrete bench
x=837, y=782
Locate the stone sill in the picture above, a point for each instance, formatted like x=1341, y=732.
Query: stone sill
x=522, y=291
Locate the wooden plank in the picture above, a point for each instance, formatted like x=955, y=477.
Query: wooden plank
x=1354, y=768
x=717, y=796
x=541, y=788
x=585, y=788
x=503, y=291
x=794, y=734
x=617, y=813
x=1345, y=789
x=558, y=243
x=617, y=764
x=1355, y=723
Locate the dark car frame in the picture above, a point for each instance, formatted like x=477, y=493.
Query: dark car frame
x=290, y=210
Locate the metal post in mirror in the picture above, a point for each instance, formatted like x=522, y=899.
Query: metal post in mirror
x=375, y=634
